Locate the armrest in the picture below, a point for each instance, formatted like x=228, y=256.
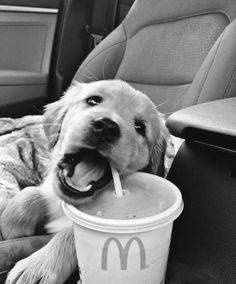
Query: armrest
x=212, y=122
x=11, y=77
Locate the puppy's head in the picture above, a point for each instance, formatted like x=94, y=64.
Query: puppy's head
x=100, y=124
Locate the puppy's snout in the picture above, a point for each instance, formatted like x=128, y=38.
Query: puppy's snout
x=105, y=129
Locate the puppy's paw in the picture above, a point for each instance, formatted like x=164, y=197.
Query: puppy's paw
x=23, y=214
x=34, y=269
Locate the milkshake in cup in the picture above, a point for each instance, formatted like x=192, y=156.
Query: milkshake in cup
x=125, y=240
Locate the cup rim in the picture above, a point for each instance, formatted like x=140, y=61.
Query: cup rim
x=129, y=225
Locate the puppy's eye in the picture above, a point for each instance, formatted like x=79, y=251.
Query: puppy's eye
x=140, y=127
x=94, y=100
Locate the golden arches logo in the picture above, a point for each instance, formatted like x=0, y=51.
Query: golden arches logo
x=123, y=252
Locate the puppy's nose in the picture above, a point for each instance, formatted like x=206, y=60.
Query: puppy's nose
x=105, y=129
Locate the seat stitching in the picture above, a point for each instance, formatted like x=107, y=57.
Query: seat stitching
x=107, y=48
x=158, y=84
x=229, y=86
x=208, y=71
x=123, y=26
x=179, y=18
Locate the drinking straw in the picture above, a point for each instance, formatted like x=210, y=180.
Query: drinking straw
x=117, y=183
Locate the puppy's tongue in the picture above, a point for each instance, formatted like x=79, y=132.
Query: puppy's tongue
x=88, y=171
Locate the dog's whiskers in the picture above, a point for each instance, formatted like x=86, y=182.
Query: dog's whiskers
x=167, y=113
x=42, y=123
x=161, y=104
x=55, y=135
x=51, y=124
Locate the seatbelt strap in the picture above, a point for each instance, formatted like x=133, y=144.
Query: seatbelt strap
x=103, y=21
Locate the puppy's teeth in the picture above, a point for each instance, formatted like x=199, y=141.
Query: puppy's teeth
x=88, y=187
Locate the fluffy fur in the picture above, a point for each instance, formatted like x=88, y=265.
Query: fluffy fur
x=140, y=145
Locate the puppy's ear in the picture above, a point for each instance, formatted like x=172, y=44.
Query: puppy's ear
x=157, y=158
x=55, y=112
x=53, y=117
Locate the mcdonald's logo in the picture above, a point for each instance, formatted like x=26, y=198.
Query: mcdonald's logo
x=123, y=252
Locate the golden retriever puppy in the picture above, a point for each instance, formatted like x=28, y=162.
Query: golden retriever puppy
x=91, y=127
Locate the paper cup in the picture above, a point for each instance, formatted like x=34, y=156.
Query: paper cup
x=112, y=251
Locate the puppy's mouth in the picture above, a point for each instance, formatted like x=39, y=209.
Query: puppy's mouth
x=81, y=174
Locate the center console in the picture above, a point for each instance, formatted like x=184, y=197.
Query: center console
x=203, y=248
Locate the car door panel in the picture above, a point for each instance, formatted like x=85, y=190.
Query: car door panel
x=26, y=41
x=30, y=3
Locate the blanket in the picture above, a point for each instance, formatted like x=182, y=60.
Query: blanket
x=23, y=155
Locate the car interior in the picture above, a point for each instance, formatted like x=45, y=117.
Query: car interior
x=181, y=53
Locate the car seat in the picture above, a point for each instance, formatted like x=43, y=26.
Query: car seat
x=178, y=52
